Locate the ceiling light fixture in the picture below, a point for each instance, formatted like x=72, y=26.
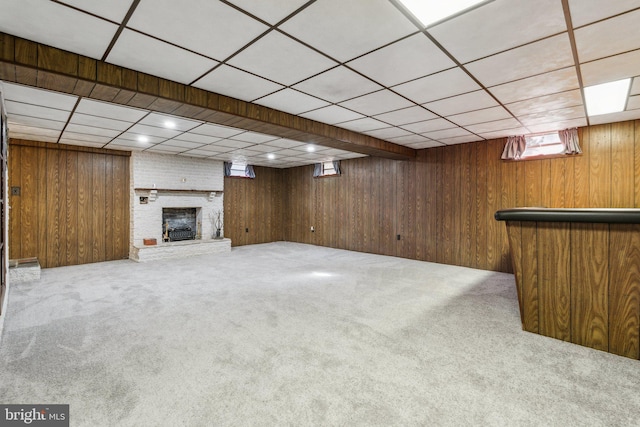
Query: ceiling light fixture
x=607, y=98
x=431, y=11
x=271, y=156
x=169, y=124
x=311, y=148
x=143, y=139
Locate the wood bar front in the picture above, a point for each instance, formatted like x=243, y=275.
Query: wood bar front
x=578, y=274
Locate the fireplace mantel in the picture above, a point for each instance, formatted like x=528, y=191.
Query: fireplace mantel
x=154, y=192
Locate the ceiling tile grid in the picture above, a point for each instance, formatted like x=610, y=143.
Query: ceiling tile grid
x=503, y=68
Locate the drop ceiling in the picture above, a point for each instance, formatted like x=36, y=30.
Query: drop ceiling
x=504, y=68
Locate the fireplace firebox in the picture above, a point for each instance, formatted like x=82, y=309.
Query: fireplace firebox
x=179, y=224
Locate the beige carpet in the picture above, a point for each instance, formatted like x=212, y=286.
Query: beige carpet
x=291, y=334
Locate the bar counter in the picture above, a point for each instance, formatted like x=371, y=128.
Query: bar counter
x=578, y=274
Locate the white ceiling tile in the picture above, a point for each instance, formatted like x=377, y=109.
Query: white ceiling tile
x=291, y=101
x=57, y=25
x=332, y=114
x=448, y=133
x=111, y=111
x=281, y=59
x=272, y=11
x=609, y=37
x=254, y=137
x=264, y=148
x=553, y=116
x=367, y=25
x=288, y=152
x=133, y=138
x=410, y=140
x=83, y=137
x=214, y=149
x=480, y=116
x=425, y=144
x=232, y=143
x=615, y=117
x=408, y=59
x=284, y=143
x=337, y=84
x=114, y=10
x=498, y=125
x=33, y=137
x=406, y=115
x=99, y=122
x=26, y=121
x=195, y=153
x=533, y=87
x=505, y=133
x=363, y=125
x=555, y=101
x=499, y=25
x=532, y=59
x=437, y=86
x=236, y=83
x=376, y=103
x=128, y=145
x=160, y=150
x=216, y=130
x=167, y=148
x=159, y=120
x=183, y=143
x=68, y=141
x=635, y=86
x=154, y=131
x=170, y=62
x=587, y=11
x=558, y=125
x=34, y=131
x=476, y=100
x=41, y=97
x=195, y=138
x=91, y=130
x=391, y=132
x=210, y=28
x=461, y=140
x=20, y=109
x=429, y=125
x=611, y=69
x=633, y=103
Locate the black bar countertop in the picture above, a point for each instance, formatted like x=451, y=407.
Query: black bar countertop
x=594, y=215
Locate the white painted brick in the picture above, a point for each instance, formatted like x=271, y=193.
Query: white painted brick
x=170, y=172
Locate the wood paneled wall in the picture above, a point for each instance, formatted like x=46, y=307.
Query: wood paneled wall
x=256, y=205
x=73, y=206
x=442, y=204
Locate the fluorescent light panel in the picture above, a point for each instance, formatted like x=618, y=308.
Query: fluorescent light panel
x=607, y=98
x=431, y=11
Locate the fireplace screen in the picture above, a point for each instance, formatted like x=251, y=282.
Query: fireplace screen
x=179, y=224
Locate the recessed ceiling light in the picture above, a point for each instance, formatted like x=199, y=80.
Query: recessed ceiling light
x=143, y=139
x=607, y=98
x=311, y=148
x=431, y=11
x=169, y=124
x=271, y=156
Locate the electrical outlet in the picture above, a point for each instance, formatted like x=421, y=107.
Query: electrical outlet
x=313, y=230
x=398, y=237
x=246, y=230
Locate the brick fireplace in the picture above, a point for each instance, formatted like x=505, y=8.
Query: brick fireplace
x=187, y=192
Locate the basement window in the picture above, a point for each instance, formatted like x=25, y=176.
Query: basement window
x=238, y=169
x=326, y=169
x=543, y=145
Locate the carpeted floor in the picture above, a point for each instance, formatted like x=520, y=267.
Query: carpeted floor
x=291, y=334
